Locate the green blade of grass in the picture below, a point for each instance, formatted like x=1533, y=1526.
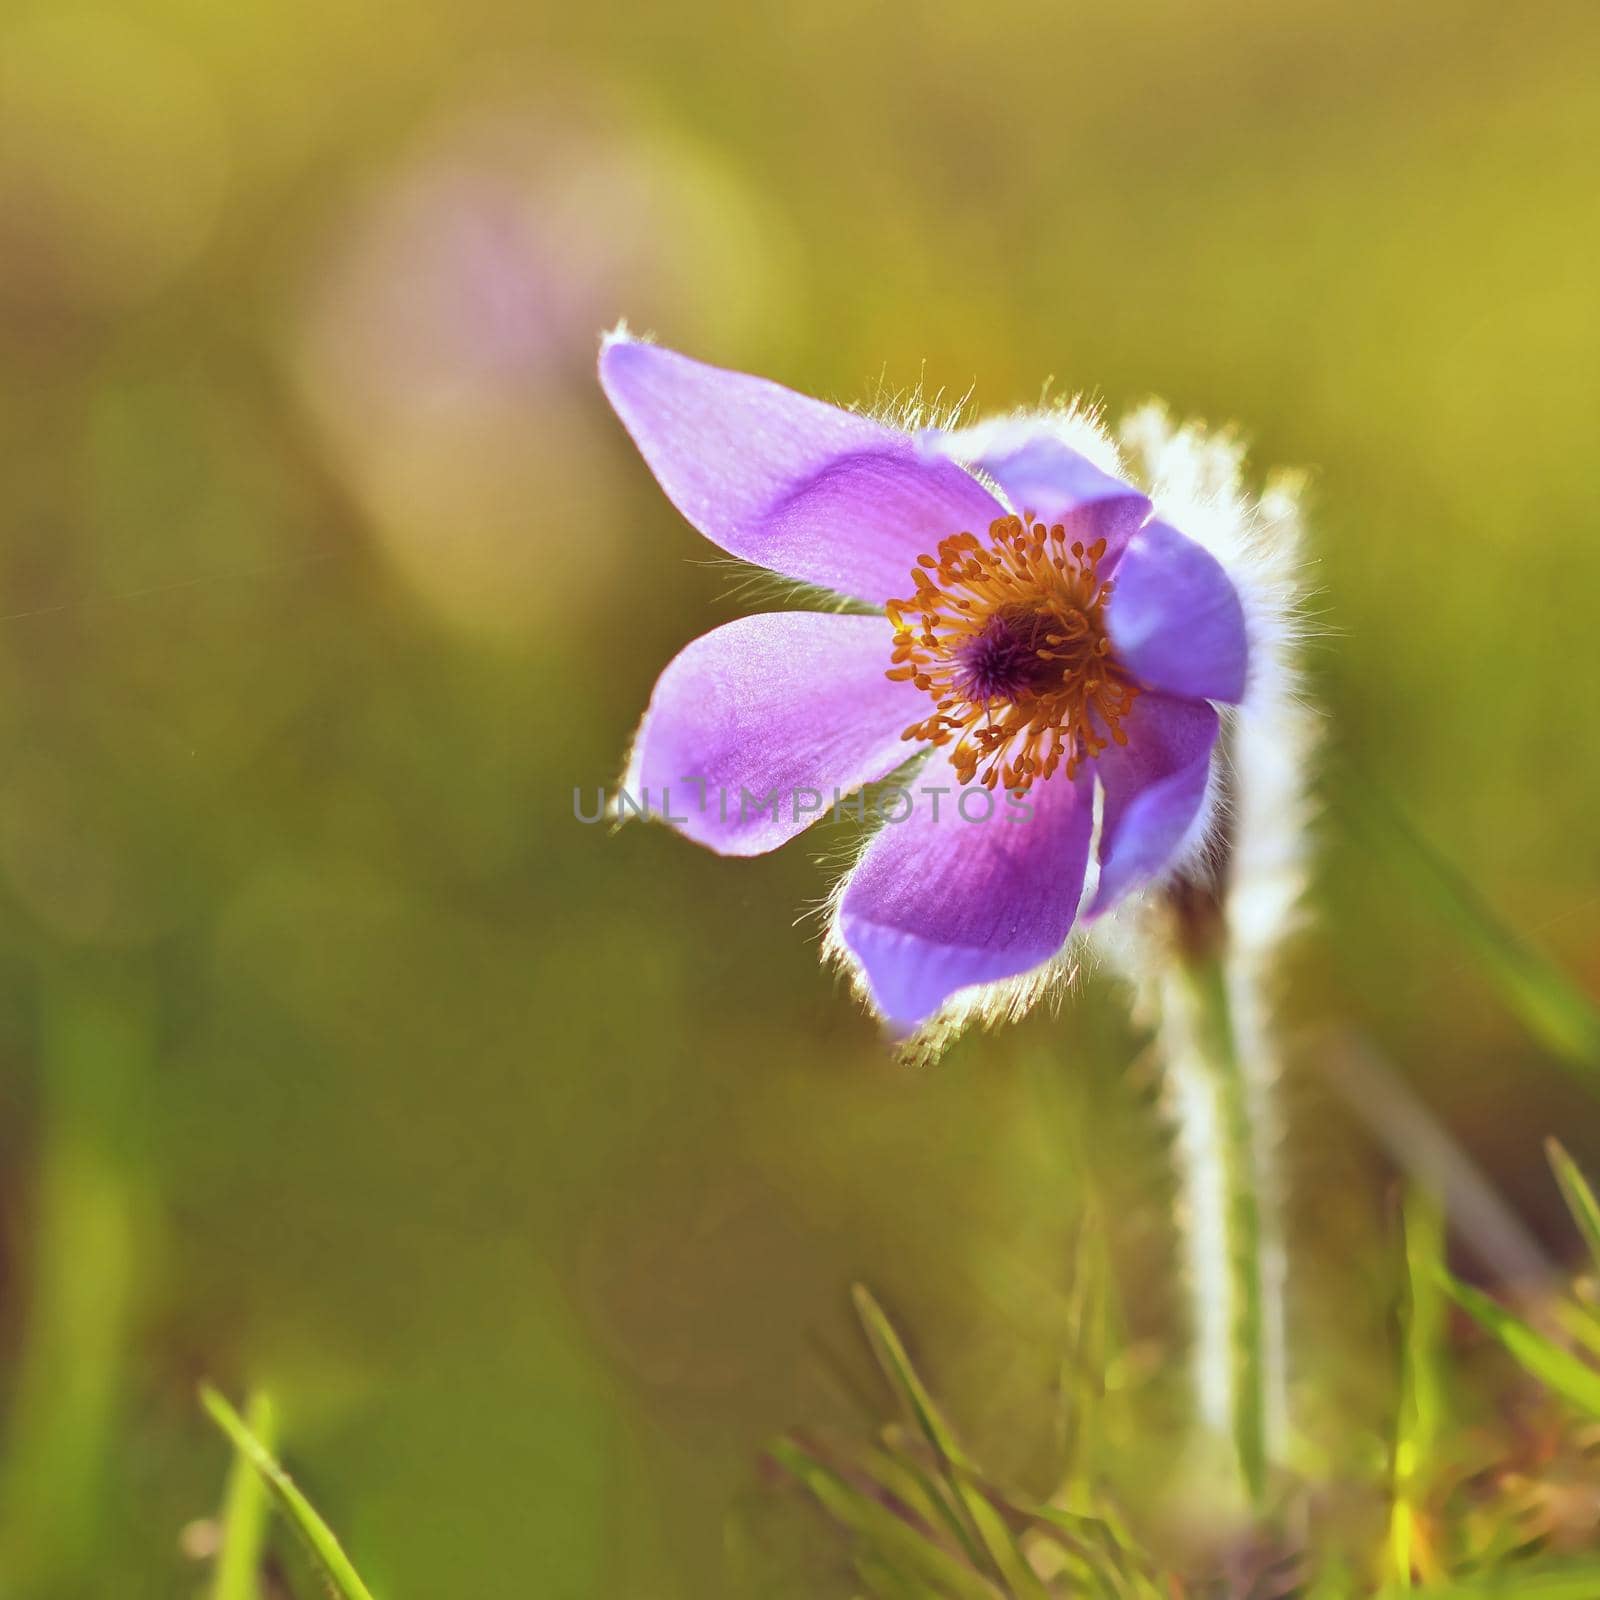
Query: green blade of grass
x=1552, y=1008
x=67, y=1374
x=1021, y=1581
x=1558, y=1369
x=1087, y=1358
x=243, y=1522
x=919, y=1405
x=902, y=1376
x=905, y=1481
x=883, y=1582
x=894, y=1540
x=319, y=1539
x=896, y=1472
x=993, y=1534
x=1580, y=1322
x=1417, y=1426
x=1099, y=1554
x=936, y=1491
x=1579, y=1196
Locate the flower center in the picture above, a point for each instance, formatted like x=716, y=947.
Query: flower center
x=1008, y=638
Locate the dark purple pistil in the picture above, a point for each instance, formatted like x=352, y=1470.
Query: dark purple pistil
x=1002, y=662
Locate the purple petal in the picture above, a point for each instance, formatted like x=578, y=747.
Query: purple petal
x=1174, y=617
x=1155, y=787
x=788, y=482
x=936, y=905
x=792, y=702
x=1041, y=473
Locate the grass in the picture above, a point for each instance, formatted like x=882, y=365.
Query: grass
x=1488, y=1483
x=243, y=1516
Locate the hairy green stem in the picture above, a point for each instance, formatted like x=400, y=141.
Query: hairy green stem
x=1215, y=1101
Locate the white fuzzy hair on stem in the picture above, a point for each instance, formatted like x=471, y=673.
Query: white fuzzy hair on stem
x=1196, y=479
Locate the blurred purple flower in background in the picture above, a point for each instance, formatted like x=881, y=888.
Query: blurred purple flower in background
x=440, y=347
x=1059, y=639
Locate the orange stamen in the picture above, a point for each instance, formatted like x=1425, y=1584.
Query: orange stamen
x=1008, y=638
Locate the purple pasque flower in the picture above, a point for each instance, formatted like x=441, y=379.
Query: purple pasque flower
x=1035, y=626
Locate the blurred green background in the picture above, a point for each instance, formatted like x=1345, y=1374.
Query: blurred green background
x=527, y=1165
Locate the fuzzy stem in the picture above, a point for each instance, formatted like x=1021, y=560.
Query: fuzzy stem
x=1218, y=1050
x=1221, y=1150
